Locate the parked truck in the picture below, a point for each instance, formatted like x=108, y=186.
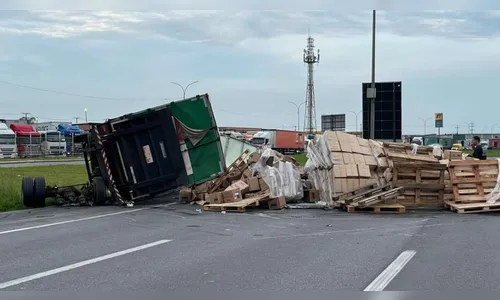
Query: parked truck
x=8, y=145
x=284, y=141
x=27, y=140
x=70, y=131
x=140, y=155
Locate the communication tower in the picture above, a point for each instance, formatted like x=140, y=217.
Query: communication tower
x=310, y=58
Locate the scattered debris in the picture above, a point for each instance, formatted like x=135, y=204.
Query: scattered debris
x=268, y=179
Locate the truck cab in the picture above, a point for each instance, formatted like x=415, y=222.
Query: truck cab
x=27, y=140
x=53, y=143
x=8, y=145
x=70, y=131
x=261, y=138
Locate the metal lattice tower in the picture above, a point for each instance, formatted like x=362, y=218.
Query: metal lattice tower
x=310, y=58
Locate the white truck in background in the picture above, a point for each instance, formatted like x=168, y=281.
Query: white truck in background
x=8, y=145
x=53, y=141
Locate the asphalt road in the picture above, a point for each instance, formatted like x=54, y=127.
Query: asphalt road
x=177, y=248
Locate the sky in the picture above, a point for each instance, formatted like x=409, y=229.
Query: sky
x=54, y=64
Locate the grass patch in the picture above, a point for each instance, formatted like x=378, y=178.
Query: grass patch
x=10, y=181
x=41, y=158
x=489, y=153
x=300, y=158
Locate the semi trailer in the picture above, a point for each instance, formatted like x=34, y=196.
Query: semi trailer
x=140, y=155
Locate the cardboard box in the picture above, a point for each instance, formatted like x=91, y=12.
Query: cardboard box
x=186, y=195
x=277, y=203
x=201, y=188
x=231, y=195
x=263, y=185
x=254, y=157
x=214, y=198
x=312, y=195
x=253, y=184
x=240, y=185
x=452, y=155
x=247, y=174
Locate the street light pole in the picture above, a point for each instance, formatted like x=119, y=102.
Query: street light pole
x=298, y=112
x=374, y=95
x=356, y=114
x=184, y=88
x=425, y=124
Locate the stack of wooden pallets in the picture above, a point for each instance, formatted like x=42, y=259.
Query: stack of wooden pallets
x=371, y=198
x=472, y=181
x=423, y=182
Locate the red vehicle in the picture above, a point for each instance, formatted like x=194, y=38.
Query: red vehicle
x=284, y=141
x=28, y=140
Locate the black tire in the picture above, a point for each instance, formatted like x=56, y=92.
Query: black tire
x=39, y=191
x=99, y=190
x=28, y=191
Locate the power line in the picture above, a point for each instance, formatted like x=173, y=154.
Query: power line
x=65, y=93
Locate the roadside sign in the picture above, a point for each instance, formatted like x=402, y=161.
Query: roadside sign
x=438, y=119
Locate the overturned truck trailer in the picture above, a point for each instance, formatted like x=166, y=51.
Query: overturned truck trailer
x=139, y=155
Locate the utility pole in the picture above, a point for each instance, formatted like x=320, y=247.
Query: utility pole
x=457, y=127
x=184, y=88
x=372, y=92
x=76, y=119
x=310, y=58
x=472, y=128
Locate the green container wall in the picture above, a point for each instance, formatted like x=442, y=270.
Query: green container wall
x=207, y=158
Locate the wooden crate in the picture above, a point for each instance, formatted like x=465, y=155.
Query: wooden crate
x=423, y=182
x=472, y=180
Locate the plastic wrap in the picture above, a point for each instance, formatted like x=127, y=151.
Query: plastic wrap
x=319, y=168
x=414, y=149
x=437, y=151
x=494, y=196
x=283, y=178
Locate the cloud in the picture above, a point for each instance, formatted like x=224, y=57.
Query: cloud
x=227, y=27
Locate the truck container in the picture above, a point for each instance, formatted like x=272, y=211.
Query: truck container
x=494, y=143
x=49, y=126
x=233, y=147
x=8, y=146
x=139, y=155
x=284, y=141
x=27, y=139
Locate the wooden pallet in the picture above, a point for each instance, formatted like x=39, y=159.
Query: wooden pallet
x=363, y=193
x=472, y=180
x=383, y=196
x=468, y=208
x=239, y=206
x=424, y=183
x=219, y=181
x=362, y=189
x=378, y=208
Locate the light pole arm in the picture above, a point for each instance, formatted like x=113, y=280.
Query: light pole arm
x=183, y=90
x=196, y=81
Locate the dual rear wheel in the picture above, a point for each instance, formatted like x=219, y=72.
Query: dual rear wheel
x=33, y=191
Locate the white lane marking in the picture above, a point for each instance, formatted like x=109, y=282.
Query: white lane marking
x=390, y=272
x=79, y=264
x=71, y=221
